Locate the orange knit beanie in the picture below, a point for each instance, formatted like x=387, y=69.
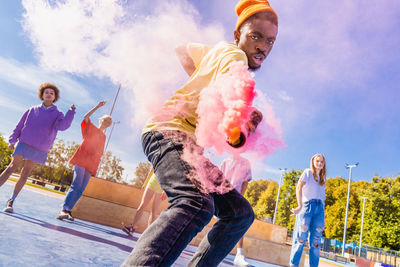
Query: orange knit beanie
x=245, y=8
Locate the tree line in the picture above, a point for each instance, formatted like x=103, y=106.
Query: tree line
x=57, y=168
x=381, y=216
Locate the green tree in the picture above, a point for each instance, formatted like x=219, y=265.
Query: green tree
x=5, y=154
x=58, y=159
x=360, y=188
x=382, y=213
x=382, y=209
x=335, y=209
x=287, y=199
x=141, y=172
x=254, y=191
x=57, y=168
x=266, y=203
x=111, y=168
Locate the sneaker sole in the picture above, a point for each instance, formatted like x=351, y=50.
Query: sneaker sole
x=127, y=232
x=62, y=217
x=9, y=210
x=241, y=265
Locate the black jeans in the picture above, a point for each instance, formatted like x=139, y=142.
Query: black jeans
x=190, y=210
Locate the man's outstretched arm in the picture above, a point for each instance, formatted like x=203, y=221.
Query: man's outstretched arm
x=185, y=59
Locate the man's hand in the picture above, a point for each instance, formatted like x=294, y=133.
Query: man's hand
x=72, y=106
x=11, y=146
x=255, y=118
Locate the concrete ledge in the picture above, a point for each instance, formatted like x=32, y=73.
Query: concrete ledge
x=130, y=197
x=125, y=195
x=256, y=248
x=267, y=231
x=107, y=213
x=114, y=204
x=115, y=215
x=267, y=251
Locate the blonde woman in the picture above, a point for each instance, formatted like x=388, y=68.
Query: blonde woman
x=310, y=214
x=86, y=159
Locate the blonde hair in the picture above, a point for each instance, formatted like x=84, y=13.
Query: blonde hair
x=102, y=118
x=322, y=173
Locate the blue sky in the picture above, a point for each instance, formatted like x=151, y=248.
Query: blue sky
x=331, y=78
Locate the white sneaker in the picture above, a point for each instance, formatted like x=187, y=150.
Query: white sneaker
x=240, y=260
x=64, y=215
x=9, y=206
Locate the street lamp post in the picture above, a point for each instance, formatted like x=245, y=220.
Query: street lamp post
x=109, y=137
x=362, y=223
x=115, y=99
x=279, y=191
x=105, y=148
x=348, y=166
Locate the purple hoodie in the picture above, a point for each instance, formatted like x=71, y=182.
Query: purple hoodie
x=39, y=125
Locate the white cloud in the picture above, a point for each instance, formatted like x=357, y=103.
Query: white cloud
x=129, y=161
x=129, y=171
x=261, y=170
x=283, y=95
x=8, y=103
x=122, y=41
x=271, y=170
x=327, y=50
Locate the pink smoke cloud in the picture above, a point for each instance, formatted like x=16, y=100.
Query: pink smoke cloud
x=227, y=104
x=223, y=106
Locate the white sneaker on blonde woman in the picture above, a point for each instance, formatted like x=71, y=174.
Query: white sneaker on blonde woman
x=240, y=260
x=65, y=215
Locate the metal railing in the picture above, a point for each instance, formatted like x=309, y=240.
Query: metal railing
x=385, y=256
x=331, y=249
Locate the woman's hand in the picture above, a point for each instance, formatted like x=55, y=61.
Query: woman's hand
x=72, y=106
x=101, y=103
x=296, y=210
x=11, y=146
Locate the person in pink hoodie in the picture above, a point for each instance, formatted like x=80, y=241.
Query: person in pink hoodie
x=34, y=135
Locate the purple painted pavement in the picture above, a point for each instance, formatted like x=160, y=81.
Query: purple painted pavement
x=32, y=236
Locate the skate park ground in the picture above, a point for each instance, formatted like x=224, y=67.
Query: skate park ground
x=32, y=236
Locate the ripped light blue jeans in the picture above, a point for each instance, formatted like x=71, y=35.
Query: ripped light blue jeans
x=309, y=221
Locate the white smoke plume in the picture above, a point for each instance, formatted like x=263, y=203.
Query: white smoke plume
x=131, y=43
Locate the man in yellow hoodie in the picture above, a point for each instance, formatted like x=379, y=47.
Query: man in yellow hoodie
x=165, y=135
